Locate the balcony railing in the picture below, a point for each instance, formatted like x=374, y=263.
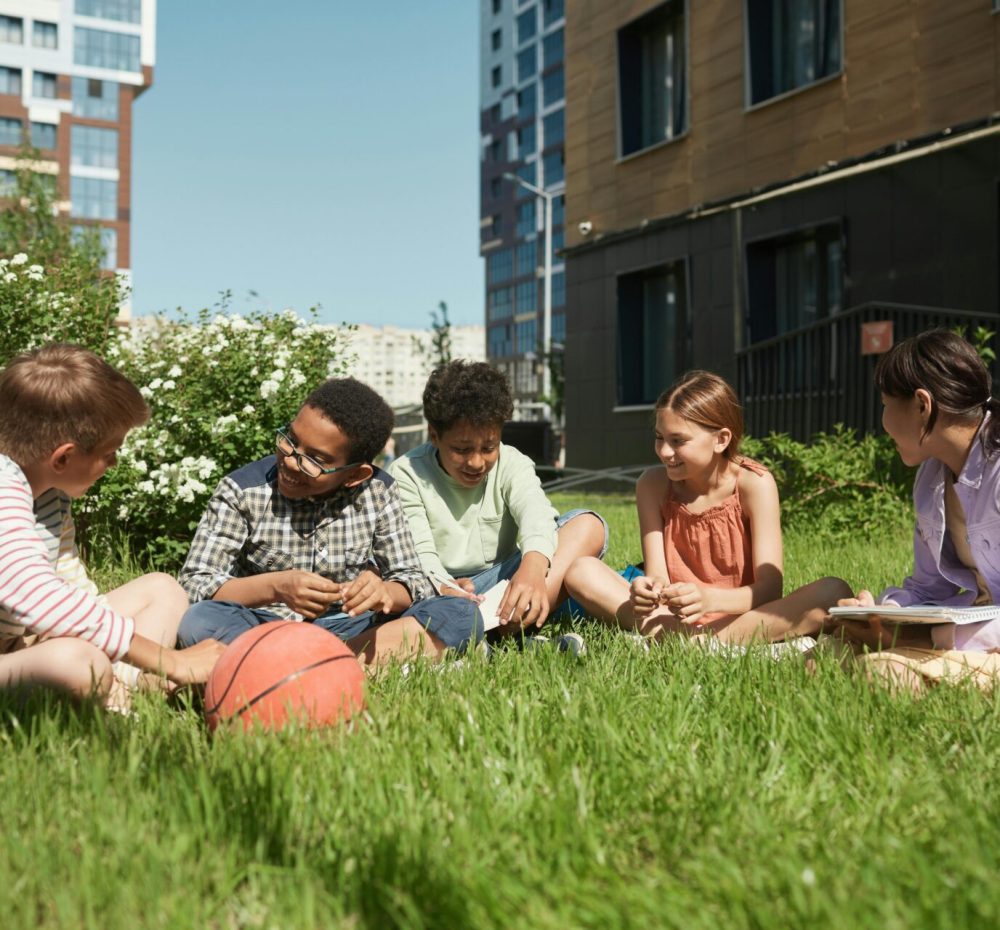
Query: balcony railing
x=808, y=380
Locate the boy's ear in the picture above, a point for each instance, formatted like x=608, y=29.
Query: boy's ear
x=432, y=434
x=360, y=475
x=60, y=457
x=723, y=438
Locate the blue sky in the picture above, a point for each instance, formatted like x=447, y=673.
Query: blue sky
x=313, y=152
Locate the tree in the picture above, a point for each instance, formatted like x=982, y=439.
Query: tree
x=441, y=340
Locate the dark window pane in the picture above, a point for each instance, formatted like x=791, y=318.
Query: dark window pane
x=553, y=128
x=496, y=39
x=526, y=26
x=554, y=9
x=526, y=101
x=552, y=87
x=552, y=49
x=527, y=63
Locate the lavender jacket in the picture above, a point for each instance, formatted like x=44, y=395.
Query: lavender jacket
x=938, y=576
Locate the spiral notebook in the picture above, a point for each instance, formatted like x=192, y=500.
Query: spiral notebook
x=921, y=613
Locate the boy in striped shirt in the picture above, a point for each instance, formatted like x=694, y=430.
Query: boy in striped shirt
x=64, y=413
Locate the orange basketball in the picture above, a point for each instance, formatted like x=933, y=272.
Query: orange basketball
x=284, y=671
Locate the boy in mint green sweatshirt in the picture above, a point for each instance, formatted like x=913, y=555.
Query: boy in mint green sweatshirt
x=477, y=511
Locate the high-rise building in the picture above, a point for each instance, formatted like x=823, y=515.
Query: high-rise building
x=521, y=126
x=70, y=71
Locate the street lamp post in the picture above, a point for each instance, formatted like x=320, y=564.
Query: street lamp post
x=546, y=288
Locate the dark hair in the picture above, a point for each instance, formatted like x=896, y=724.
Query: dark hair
x=951, y=371
x=709, y=401
x=64, y=393
x=472, y=391
x=359, y=412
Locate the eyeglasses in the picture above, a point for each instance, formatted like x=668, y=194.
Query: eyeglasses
x=307, y=464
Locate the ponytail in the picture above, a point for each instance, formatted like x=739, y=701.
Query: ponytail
x=991, y=428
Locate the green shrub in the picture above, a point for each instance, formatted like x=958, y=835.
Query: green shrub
x=837, y=483
x=218, y=386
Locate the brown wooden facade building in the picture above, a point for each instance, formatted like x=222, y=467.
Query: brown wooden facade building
x=748, y=181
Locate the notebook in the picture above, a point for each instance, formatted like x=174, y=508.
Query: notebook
x=920, y=613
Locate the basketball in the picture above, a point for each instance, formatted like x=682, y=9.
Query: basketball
x=281, y=672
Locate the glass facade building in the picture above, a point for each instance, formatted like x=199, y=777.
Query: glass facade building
x=522, y=127
x=68, y=82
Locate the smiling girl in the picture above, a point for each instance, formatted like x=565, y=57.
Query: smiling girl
x=940, y=412
x=711, y=534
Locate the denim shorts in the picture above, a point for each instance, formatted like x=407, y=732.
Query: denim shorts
x=456, y=621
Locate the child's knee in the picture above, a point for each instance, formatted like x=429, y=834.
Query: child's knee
x=163, y=589
x=85, y=668
x=829, y=590
x=580, y=570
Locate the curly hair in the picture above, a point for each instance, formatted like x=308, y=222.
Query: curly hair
x=358, y=411
x=472, y=391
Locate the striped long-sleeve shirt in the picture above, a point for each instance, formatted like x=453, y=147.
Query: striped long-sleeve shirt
x=33, y=596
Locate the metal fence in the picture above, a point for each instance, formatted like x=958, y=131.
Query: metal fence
x=808, y=380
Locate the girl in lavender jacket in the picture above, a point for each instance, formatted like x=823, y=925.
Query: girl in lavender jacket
x=939, y=410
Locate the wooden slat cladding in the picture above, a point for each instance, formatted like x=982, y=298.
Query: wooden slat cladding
x=911, y=67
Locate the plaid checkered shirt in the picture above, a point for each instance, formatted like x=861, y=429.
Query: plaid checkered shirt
x=249, y=528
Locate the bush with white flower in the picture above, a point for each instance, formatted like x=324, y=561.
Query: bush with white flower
x=218, y=386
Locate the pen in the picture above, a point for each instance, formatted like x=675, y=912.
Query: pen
x=442, y=581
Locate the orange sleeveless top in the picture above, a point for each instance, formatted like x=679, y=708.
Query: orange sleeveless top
x=714, y=547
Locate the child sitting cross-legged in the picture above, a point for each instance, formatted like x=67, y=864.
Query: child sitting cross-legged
x=64, y=413
x=711, y=535
x=478, y=515
x=315, y=532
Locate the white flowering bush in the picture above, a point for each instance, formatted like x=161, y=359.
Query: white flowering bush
x=218, y=386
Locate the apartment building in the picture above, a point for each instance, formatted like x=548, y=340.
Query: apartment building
x=521, y=127
x=70, y=71
x=751, y=183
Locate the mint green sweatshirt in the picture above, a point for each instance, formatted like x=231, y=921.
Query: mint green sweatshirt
x=459, y=531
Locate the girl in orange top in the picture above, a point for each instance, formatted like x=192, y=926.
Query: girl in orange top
x=711, y=534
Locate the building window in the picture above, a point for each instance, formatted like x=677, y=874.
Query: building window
x=526, y=105
x=652, y=78
x=553, y=10
x=527, y=141
x=527, y=298
x=498, y=304
x=95, y=99
x=527, y=252
x=99, y=49
x=44, y=35
x=496, y=225
x=653, y=332
x=496, y=76
x=525, y=224
x=558, y=211
x=527, y=339
x=496, y=187
x=553, y=128
x=552, y=49
x=12, y=30
x=124, y=11
x=496, y=40
x=496, y=150
x=94, y=198
x=527, y=172
x=497, y=6
x=527, y=26
x=558, y=323
x=499, y=266
x=8, y=182
x=10, y=81
x=527, y=63
x=558, y=290
x=10, y=131
x=791, y=43
x=552, y=87
x=499, y=341
x=43, y=135
x=44, y=84
x=555, y=171
x=794, y=281
x=94, y=147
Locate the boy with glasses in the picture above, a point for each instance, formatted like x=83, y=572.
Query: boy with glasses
x=315, y=532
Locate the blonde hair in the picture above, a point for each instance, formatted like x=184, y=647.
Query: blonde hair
x=63, y=393
x=709, y=401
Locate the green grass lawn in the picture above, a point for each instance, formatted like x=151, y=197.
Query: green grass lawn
x=632, y=789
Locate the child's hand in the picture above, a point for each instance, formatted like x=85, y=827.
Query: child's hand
x=193, y=665
x=525, y=602
x=686, y=601
x=306, y=593
x=645, y=593
x=367, y=592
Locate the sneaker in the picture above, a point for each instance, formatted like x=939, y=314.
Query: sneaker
x=569, y=642
x=637, y=641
